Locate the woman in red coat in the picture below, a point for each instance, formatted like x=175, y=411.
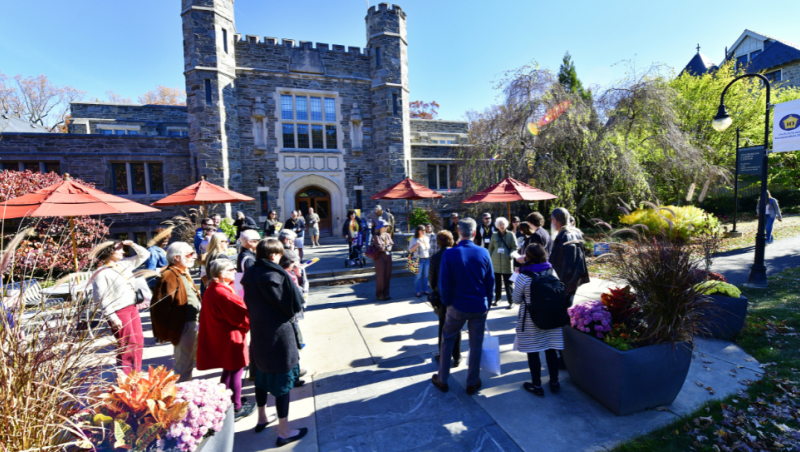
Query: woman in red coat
x=224, y=323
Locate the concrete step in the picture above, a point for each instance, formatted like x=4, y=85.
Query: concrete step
x=324, y=278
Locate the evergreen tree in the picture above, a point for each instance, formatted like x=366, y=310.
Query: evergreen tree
x=568, y=77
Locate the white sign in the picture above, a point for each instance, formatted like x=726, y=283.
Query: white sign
x=786, y=127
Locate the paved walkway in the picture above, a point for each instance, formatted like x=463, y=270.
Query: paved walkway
x=371, y=363
x=778, y=256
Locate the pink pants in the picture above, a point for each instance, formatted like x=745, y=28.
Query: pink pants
x=131, y=340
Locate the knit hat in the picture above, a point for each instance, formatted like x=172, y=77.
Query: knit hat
x=380, y=224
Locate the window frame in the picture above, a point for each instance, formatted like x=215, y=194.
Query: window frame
x=129, y=178
x=303, y=118
x=438, y=167
x=771, y=76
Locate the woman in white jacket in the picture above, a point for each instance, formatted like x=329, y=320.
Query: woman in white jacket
x=115, y=294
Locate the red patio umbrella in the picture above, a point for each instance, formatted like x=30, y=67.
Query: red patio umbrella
x=202, y=193
x=509, y=190
x=409, y=190
x=68, y=199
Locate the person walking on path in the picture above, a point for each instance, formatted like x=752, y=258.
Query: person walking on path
x=502, y=244
x=313, y=227
x=272, y=226
x=466, y=281
x=272, y=302
x=444, y=241
x=115, y=296
x=419, y=247
x=773, y=211
x=243, y=223
x=175, y=309
x=483, y=235
x=453, y=227
x=540, y=234
x=221, y=337
x=530, y=338
x=383, y=244
x=350, y=230
x=568, y=256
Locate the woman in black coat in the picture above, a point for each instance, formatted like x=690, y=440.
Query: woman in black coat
x=568, y=256
x=272, y=301
x=445, y=241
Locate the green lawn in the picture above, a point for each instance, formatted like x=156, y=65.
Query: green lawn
x=765, y=414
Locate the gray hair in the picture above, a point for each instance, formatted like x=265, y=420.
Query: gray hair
x=561, y=215
x=217, y=266
x=501, y=220
x=248, y=234
x=177, y=249
x=466, y=228
x=287, y=234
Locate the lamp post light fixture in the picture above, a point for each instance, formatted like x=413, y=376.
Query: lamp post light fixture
x=723, y=120
x=261, y=179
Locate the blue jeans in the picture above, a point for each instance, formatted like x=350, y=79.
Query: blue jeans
x=770, y=223
x=421, y=278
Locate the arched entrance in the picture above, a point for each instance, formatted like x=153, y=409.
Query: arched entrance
x=318, y=199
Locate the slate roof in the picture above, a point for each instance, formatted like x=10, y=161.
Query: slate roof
x=699, y=65
x=12, y=124
x=775, y=53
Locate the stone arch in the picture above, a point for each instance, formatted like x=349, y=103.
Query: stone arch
x=334, y=187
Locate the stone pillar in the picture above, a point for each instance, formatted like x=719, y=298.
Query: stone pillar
x=388, y=48
x=210, y=70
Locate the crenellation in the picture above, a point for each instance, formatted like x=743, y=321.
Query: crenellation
x=338, y=48
x=321, y=47
x=270, y=41
x=253, y=39
x=288, y=42
x=305, y=45
x=354, y=50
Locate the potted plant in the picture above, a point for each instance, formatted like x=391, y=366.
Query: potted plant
x=632, y=350
x=728, y=320
x=150, y=411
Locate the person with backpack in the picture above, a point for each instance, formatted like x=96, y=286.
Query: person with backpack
x=568, y=255
x=543, y=311
x=501, y=245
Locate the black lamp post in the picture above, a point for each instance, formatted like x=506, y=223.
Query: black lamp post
x=723, y=120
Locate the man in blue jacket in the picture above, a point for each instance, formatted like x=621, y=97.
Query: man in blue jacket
x=466, y=285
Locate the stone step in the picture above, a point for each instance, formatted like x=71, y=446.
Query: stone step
x=324, y=278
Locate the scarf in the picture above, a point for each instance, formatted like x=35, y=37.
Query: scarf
x=536, y=268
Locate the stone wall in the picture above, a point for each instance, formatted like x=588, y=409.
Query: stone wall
x=790, y=75
x=90, y=158
x=436, y=125
x=153, y=120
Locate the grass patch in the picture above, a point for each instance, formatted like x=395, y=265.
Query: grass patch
x=764, y=415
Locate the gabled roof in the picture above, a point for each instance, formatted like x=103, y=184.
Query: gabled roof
x=699, y=65
x=760, y=37
x=776, y=53
x=12, y=124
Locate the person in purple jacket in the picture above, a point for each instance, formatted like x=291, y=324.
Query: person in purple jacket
x=466, y=285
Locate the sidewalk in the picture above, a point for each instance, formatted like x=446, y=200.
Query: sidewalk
x=779, y=256
x=371, y=363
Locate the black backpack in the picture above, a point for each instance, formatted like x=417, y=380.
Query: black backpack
x=549, y=302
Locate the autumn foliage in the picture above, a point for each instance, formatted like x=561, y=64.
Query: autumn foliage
x=423, y=110
x=51, y=247
x=137, y=411
x=164, y=95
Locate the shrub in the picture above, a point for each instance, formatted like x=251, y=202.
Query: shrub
x=419, y=216
x=677, y=222
x=711, y=287
x=619, y=303
x=228, y=228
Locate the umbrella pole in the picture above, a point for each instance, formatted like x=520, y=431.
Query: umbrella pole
x=408, y=215
x=205, y=210
x=74, y=242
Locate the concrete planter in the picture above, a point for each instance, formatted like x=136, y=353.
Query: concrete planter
x=221, y=441
x=728, y=319
x=625, y=382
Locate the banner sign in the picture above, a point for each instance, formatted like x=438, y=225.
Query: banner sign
x=750, y=160
x=786, y=127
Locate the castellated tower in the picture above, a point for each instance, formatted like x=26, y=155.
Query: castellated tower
x=210, y=70
x=388, y=49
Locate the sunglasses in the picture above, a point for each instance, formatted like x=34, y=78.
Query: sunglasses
x=191, y=255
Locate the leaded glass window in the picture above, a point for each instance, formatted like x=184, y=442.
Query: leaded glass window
x=316, y=109
x=316, y=136
x=302, y=136
x=286, y=107
x=120, y=171
x=302, y=108
x=330, y=109
x=138, y=178
x=288, y=135
x=156, y=177
x=330, y=136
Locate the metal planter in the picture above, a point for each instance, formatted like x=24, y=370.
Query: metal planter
x=626, y=382
x=728, y=319
x=221, y=441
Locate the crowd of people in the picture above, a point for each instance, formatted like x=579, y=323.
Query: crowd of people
x=261, y=290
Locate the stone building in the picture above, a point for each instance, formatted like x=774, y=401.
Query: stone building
x=293, y=124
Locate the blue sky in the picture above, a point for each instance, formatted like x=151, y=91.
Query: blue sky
x=456, y=49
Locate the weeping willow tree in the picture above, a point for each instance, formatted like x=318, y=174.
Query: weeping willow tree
x=626, y=144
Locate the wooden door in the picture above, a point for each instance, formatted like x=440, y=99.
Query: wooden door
x=320, y=201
